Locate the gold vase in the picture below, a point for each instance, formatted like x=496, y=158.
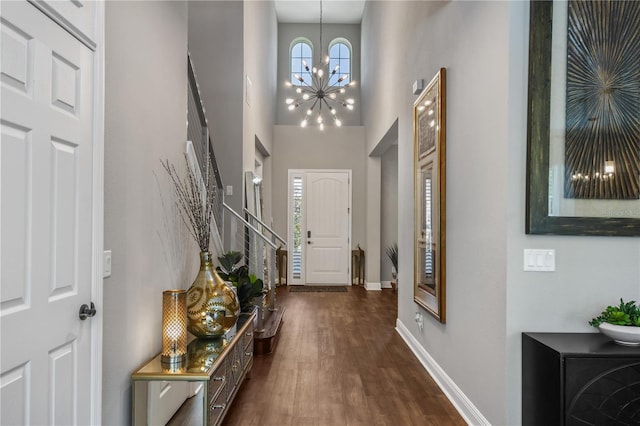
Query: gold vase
x=212, y=305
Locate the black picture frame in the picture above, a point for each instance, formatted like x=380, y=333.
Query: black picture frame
x=538, y=219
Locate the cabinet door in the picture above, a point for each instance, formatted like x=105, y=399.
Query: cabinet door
x=602, y=391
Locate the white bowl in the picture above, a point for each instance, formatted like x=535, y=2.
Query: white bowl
x=621, y=334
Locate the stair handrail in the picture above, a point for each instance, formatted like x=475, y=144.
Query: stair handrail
x=250, y=226
x=267, y=228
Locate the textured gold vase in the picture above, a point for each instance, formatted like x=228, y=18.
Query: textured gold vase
x=212, y=305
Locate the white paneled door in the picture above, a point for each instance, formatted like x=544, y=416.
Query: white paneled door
x=47, y=216
x=327, y=220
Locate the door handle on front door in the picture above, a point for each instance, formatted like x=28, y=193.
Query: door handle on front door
x=308, y=234
x=86, y=311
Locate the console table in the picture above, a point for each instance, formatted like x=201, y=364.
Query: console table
x=219, y=364
x=579, y=379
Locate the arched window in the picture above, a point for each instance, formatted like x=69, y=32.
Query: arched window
x=340, y=55
x=301, y=51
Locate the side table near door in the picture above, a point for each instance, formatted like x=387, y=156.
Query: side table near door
x=219, y=364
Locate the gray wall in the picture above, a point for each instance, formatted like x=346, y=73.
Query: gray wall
x=260, y=65
x=145, y=121
x=388, y=207
x=216, y=43
x=296, y=148
x=490, y=301
x=233, y=43
x=289, y=32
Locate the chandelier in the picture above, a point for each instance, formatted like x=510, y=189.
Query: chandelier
x=322, y=95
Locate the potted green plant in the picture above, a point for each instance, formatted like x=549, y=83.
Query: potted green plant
x=248, y=285
x=621, y=323
x=392, y=253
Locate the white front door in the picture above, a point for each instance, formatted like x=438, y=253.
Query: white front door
x=47, y=221
x=327, y=219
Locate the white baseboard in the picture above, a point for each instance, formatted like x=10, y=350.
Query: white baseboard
x=465, y=407
x=386, y=284
x=372, y=286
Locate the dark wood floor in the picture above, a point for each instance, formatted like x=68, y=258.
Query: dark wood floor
x=340, y=361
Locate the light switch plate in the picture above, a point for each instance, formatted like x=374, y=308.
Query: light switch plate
x=540, y=260
x=106, y=264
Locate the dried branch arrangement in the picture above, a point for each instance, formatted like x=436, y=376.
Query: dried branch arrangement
x=195, y=201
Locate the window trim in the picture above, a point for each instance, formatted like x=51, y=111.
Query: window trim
x=347, y=43
x=294, y=43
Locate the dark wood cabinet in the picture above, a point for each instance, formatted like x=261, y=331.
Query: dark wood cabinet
x=579, y=379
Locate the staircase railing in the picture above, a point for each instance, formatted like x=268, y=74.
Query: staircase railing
x=259, y=255
x=265, y=229
x=258, y=249
x=198, y=134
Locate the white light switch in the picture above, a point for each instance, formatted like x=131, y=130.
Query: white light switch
x=229, y=190
x=541, y=260
x=106, y=264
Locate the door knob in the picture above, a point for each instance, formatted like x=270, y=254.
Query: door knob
x=86, y=311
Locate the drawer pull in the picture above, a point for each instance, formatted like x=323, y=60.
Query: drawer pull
x=218, y=406
x=218, y=379
x=248, y=334
x=248, y=353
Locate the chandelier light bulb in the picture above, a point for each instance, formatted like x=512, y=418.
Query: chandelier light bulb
x=351, y=101
x=332, y=95
x=319, y=119
x=309, y=111
x=338, y=123
x=289, y=101
x=299, y=90
x=303, y=123
x=305, y=96
x=320, y=73
x=342, y=90
x=292, y=107
x=332, y=111
x=321, y=126
x=315, y=70
x=350, y=107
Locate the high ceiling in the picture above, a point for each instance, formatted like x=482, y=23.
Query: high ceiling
x=308, y=11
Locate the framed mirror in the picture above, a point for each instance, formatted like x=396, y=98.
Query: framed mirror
x=583, y=144
x=429, y=198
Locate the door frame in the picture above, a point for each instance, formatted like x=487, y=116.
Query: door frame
x=302, y=173
x=97, y=284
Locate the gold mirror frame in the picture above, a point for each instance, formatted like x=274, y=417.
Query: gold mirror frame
x=429, y=198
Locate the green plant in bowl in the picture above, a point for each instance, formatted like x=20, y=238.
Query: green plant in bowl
x=626, y=314
x=620, y=323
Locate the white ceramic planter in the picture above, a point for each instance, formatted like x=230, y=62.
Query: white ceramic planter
x=621, y=334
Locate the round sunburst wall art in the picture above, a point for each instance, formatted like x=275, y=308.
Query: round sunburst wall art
x=602, y=148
